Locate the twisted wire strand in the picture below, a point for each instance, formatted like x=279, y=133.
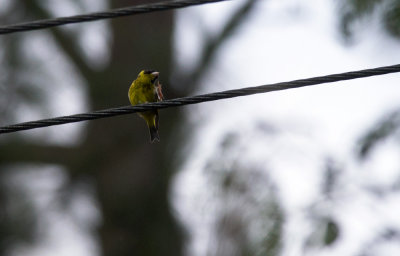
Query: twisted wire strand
x=200, y=98
x=120, y=12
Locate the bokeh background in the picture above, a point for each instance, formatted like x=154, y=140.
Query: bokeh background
x=311, y=171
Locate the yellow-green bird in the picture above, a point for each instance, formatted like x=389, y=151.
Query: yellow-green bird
x=146, y=88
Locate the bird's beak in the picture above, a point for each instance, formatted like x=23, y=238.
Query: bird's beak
x=155, y=74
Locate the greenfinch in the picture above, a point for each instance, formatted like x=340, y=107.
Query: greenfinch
x=147, y=88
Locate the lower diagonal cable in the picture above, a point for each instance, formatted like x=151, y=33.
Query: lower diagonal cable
x=200, y=98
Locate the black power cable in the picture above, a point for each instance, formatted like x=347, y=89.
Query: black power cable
x=201, y=98
x=132, y=10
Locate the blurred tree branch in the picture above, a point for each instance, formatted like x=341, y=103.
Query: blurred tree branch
x=213, y=45
x=66, y=41
x=19, y=151
x=386, y=127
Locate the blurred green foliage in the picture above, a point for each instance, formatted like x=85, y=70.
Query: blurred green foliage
x=387, y=11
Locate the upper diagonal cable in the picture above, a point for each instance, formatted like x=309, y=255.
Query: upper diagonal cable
x=132, y=10
x=201, y=98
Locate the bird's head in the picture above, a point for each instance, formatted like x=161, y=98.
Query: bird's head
x=148, y=76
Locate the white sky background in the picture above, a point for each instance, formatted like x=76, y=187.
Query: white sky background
x=286, y=40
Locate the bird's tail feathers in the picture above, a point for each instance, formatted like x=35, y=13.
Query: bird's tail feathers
x=153, y=134
x=152, y=123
